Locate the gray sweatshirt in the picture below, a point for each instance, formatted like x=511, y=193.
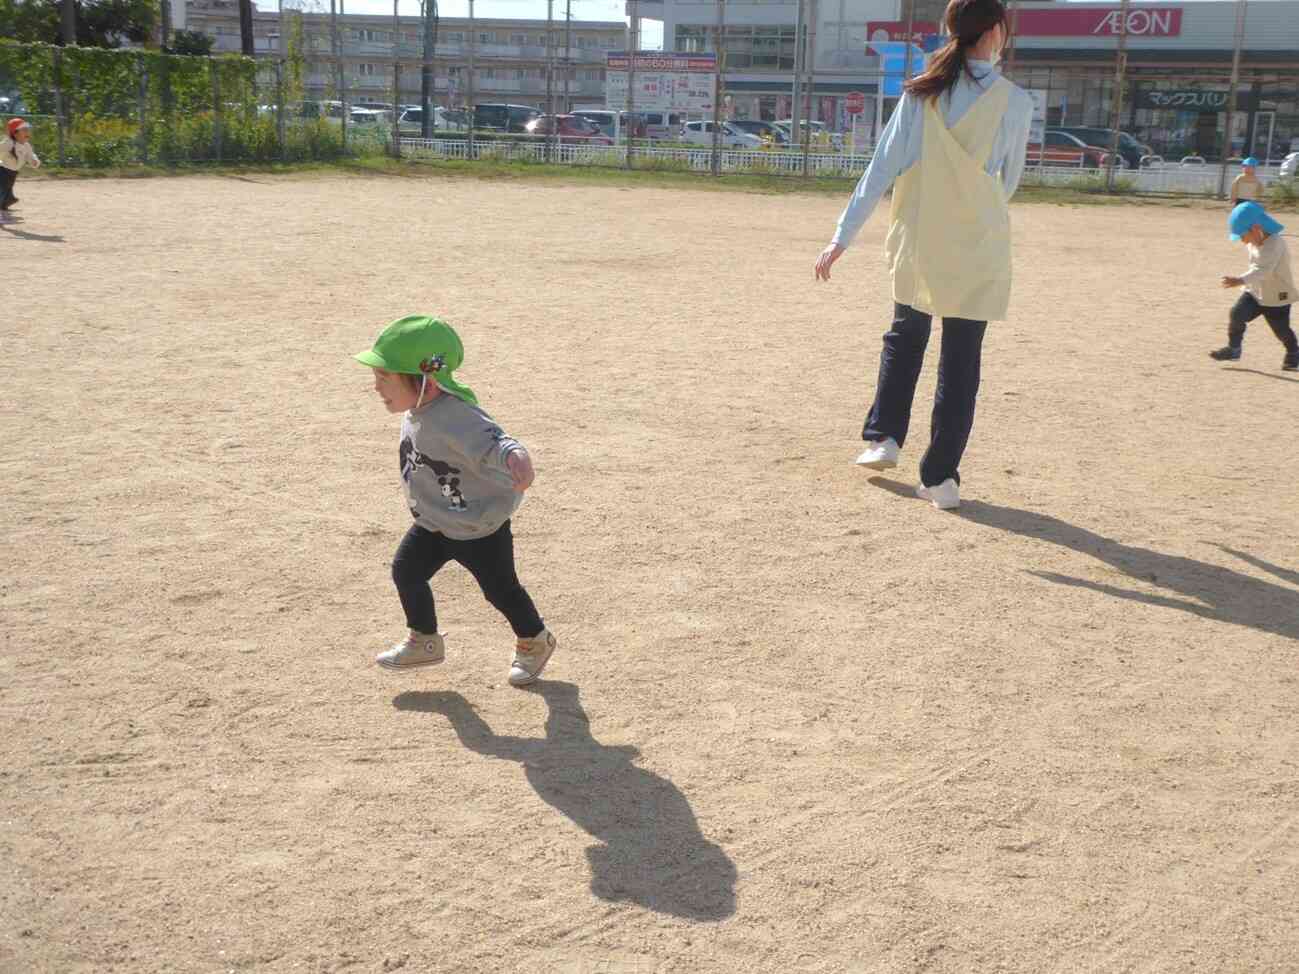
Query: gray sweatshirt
x=453, y=469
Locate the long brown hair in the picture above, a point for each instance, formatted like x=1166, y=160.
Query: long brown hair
x=967, y=21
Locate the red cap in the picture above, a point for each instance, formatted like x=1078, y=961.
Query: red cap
x=14, y=125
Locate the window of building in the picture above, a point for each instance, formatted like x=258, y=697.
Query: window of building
x=519, y=40
x=486, y=38
x=368, y=70
x=692, y=40
x=457, y=38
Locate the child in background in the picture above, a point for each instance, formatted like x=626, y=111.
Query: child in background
x=15, y=152
x=463, y=479
x=1269, y=284
x=1247, y=186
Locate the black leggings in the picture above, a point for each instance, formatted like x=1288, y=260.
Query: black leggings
x=1247, y=308
x=7, y=197
x=490, y=560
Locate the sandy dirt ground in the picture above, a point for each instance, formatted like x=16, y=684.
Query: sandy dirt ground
x=798, y=722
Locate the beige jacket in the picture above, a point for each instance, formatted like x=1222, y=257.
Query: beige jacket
x=1244, y=188
x=1270, y=277
x=26, y=155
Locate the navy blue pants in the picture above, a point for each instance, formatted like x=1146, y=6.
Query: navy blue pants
x=1247, y=308
x=490, y=560
x=958, y=386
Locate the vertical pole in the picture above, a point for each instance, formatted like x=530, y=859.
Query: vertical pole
x=344, y=86
x=279, y=110
x=550, y=79
x=469, y=97
x=911, y=33
x=143, y=71
x=426, y=69
x=396, y=80
x=1231, y=104
x=1120, y=76
x=568, y=53
x=164, y=24
x=58, y=102
x=216, y=107
x=246, y=43
x=809, y=65
x=798, y=74
x=68, y=24
x=633, y=45
x=1010, y=41
x=718, y=84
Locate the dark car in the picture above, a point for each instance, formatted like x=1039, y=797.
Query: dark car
x=569, y=128
x=1130, y=150
x=504, y=118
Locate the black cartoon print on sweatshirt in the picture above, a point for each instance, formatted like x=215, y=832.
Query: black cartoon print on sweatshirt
x=448, y=481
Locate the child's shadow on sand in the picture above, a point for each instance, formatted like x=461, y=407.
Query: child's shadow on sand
x=652, y=852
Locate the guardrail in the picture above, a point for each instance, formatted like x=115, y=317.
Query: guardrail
x=1157, y=178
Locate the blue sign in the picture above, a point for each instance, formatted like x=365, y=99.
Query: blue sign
x=893, y=62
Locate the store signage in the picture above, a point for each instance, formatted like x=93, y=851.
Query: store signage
x=664, y=82
x=1186, y=100
x=1063, y=22
x=854, y=102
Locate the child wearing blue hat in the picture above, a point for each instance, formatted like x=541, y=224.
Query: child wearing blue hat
x=1269, y=284
x=1247, y=186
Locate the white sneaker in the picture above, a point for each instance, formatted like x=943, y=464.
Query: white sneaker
x=418, y=649
x=531, y=657
x=945, y=496
x=881, y=455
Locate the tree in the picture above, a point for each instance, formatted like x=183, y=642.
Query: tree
x=100, y=23
x=190, y=42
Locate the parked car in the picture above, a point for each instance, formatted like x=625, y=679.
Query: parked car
x=1289, y=166
x=819, y=129
x=605, y=120
x=761, y=129
x=370, y=117
x=660, y=125
x=1093, y=156
x=412, y=121
x=1129, y=148
x=501, y=117
x=569, y=128
x=701, y=133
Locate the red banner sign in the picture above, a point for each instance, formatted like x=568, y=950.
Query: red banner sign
x=854, y=103
x=1062, y=22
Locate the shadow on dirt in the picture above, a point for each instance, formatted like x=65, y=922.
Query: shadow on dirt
x=651, y=850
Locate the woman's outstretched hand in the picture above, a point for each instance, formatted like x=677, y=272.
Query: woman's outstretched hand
x=826, y=261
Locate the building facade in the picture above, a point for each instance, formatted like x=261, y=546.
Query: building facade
x=510, y=56
x=1175, y=97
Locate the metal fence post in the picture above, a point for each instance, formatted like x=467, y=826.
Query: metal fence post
x=143, y=70
x=58, y=102
x=279, y=110
x=396, y=109
x=216, y=107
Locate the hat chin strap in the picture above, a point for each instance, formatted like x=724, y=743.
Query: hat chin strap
x=423, y=385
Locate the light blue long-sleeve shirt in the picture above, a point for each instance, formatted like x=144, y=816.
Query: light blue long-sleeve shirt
x=901, y=142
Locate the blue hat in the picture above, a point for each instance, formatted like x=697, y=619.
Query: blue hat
x=1246, y=215
x=1251, y=161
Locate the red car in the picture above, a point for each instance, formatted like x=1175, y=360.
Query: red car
x=1063, y=149
x=569, y=128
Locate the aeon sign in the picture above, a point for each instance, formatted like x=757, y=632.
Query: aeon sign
x=1144, y=23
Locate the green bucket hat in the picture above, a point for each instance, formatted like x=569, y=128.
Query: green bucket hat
x=420, y=345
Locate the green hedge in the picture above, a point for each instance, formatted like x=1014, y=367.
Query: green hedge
x=125, y=106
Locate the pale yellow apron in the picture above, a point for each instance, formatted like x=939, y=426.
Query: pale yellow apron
x=949, y=242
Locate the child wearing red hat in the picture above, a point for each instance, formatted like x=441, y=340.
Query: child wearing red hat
x=15, y=152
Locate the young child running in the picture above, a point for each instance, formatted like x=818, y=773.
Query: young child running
x=15, y=152
x=463, y=479
x=1247, y=186
x=1269, y=284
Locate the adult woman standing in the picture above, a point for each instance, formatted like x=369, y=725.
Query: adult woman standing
x=954, y=152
